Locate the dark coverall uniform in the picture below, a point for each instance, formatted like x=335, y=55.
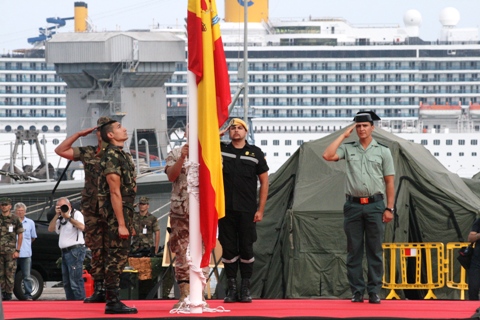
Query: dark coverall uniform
x=237, y=232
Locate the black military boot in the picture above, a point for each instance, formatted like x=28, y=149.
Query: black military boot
x=98, y=293
x=245, y=291
x=114, y=305
x=231, y=295
x=7, y=296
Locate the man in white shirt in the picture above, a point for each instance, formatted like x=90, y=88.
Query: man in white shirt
x=69, y=224
x=25, y=258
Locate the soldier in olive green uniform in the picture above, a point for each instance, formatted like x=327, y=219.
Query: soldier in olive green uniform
x=146, y=229
x=10, y=228
x=94, y=224
x=370, y=178
x=117, y=189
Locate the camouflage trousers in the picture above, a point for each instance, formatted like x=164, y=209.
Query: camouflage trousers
x=8, y=266
x=115, y=251
x=95, y=228
x=179, y=239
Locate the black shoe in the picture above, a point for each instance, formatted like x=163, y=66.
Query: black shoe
x=357, y=297
x=96, y=297
x=119, y=308
x=7, y=297
x=231, y=295
x=373, y=298
x=245, y=291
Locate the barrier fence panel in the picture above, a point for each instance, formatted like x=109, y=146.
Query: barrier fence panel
x=456, y=280
x=427, y=259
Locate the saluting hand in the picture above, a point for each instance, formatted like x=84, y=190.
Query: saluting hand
x=85, y=132
x=349, y=131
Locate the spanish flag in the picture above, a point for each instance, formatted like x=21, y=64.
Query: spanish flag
x=206, y=59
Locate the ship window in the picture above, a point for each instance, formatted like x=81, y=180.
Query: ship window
x=44, y=128
x=288, y=142
x=461, y=142
x=436, y=154
x=474, y=154
x=33, y=128
x=436, y=142
x=56, y=128
x=55, y=141
x=288, y=154
x=263, y=142
x=449, y=154
x=8, y=128
x=20, y=128
x=461, y=154
x=276, y=142
x=449, y=142
x=299, y=142
x=424, y=142
x=474, y=142
x=275, y=154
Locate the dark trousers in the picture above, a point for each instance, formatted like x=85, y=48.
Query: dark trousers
x=237, y=233
x=473, y=276
x=364, y=229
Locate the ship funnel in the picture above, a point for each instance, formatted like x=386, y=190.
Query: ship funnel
x=257, y=10
x=81, y=15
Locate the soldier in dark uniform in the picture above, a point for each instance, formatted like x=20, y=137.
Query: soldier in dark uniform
x=94, y=224
x=146, y=229
x=243, y=165
x=370, y=177
x=117, y=189
x=10, y=228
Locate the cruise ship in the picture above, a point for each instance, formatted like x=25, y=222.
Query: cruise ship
x=306, y=79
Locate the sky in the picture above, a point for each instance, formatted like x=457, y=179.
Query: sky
x=22, y=18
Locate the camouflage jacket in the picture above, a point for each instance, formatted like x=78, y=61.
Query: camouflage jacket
x=145, y=227
x=179, y=186
x=116, y=161
x=10, y=226
x=91, y=166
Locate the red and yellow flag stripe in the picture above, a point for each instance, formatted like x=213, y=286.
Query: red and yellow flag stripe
x=206, y=59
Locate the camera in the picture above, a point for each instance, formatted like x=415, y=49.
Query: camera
x=64, y=208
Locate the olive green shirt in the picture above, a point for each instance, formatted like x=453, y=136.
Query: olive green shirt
x=366, y=169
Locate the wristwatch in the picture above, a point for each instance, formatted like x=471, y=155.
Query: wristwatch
x=17, y=250
x=392, y=210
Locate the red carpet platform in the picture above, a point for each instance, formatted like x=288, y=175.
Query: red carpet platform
x=258, y=309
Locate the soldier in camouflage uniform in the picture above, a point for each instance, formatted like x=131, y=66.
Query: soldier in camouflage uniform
x=146, y=229
x=117, y=189
x=94, y=224
x=10, y=228
x=179, y=218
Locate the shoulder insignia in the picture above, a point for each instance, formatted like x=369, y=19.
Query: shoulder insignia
x=383, y=145
x=349, y=142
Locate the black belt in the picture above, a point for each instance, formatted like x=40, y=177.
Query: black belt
x=365, y=200
x=68, y=249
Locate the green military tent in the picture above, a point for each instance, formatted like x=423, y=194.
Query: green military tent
x=301, y=246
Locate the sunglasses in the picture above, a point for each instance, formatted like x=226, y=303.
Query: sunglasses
x=5, y=204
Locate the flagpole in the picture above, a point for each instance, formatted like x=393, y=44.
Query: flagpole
x=195, y=237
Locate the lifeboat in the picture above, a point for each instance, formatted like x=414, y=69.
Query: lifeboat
x=474, y=109
x=440, y=110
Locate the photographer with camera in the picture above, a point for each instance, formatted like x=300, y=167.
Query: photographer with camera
x=69, y=224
